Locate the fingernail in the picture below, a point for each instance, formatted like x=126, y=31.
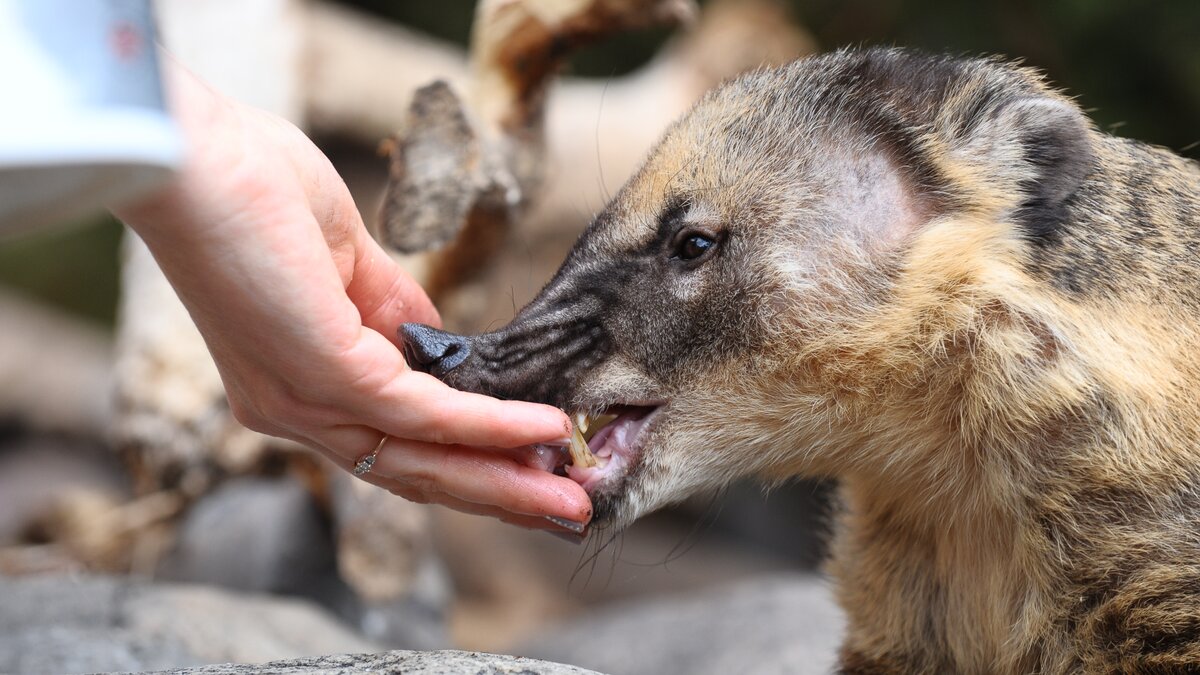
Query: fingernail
x=559, y=442
x=571, y=525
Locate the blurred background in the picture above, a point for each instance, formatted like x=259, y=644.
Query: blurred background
x=118, y=459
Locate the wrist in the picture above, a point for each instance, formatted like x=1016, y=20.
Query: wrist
x=206, y=120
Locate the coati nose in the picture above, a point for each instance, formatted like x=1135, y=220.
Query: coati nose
x=431, y=350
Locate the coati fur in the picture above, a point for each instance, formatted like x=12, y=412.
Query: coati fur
x=936, y=281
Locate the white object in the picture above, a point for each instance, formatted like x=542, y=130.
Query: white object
x=82, y=119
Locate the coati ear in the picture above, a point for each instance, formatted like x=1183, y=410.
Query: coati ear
x=886, y=205
x=1041, y=146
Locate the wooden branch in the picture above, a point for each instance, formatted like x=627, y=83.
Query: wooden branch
x=472, y=164
x=93, y=529
x=438, y=172
x=595, y=131
x=361, y=74
x=517, y=46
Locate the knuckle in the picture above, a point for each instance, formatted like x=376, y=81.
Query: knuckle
x=439, y=422
x=411, y=495
x=438, y=434
x=425, y=484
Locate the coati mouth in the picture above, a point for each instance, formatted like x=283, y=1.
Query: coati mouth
x=612, y=443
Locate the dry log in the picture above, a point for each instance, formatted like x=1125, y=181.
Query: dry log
x=85, y=528
x=607, y=123
x=597, y=131
x=465, y=168
x=42, y=477
x=56, y=370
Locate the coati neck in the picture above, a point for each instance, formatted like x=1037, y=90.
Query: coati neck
x=955, y=573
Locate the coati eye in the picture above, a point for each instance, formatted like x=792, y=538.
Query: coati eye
x=691, y=246
x=695, y=246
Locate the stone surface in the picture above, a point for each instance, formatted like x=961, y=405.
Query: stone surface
x=400, y=589
x=268, y=536
x=409, y=663
x=780, y=624
x=95, y=624
x=255, y=534
x=416, y=621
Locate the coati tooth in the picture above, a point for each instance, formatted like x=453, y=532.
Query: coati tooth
x=581, y=454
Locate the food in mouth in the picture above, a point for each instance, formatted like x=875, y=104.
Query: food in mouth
x=581, y=454
x=585, y=427
x=602, y=447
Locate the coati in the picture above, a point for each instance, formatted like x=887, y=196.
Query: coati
x=935, y=280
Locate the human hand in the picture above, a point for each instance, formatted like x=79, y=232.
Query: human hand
x=299, y=307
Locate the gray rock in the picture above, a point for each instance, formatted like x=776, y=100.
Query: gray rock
x=409, y=663
x=780, y=624
x=417, y=621
x=71, y=625
x=256, y=534
x=268, y=536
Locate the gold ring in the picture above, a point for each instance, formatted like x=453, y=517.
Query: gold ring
x=364, y=463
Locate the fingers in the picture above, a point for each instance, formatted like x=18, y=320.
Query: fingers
x=456, y=475
x=477, y=476
x=419, y=406
x=527, y=522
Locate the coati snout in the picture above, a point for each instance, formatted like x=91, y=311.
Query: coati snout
x=935, y=280
x=626, y=328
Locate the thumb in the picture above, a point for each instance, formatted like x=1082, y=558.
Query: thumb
x=385, y=295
